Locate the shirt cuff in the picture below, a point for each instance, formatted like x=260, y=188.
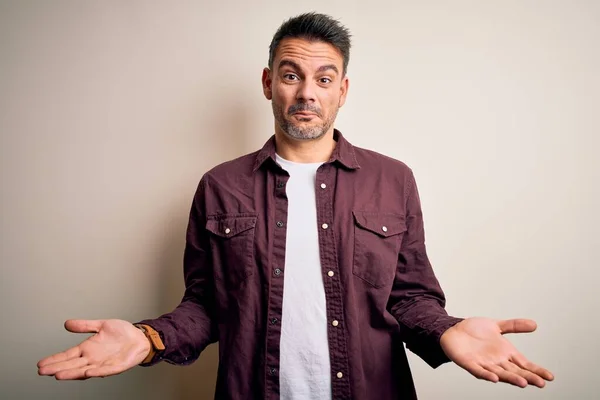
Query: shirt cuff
x=429, y=347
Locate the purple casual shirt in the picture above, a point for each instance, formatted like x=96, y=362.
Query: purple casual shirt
x=380, y=288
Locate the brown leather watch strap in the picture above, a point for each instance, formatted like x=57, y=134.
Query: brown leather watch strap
x=156, y=343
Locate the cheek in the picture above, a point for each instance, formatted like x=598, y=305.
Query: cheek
x=280, y=103
x=281, y=97
x=331, y=102
x=283, y=91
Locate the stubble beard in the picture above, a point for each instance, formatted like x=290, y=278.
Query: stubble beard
x=298, y=132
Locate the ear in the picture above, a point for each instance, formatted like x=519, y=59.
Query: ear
x=266, y=83
x=344, y=90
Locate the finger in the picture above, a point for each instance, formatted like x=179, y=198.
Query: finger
x=481, y=373
x=531, y=378
x=106, y=370
x=73, y=352
x=517, y=326
x=524, y=363
x=507, y=376
x=72, y=374
x=83, y=325
x=73, y=363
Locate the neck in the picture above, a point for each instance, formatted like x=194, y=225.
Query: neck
x=305, y=151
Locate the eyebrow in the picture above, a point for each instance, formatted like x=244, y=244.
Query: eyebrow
x=294, y=65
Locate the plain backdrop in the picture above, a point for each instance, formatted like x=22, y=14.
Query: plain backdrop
x=111, y=111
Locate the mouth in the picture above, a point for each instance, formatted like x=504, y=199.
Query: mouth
x=303, y=114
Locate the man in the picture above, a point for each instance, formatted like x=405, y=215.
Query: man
x=306, y=261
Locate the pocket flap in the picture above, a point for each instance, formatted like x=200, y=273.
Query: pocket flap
x=228, y=225
x=382, y=224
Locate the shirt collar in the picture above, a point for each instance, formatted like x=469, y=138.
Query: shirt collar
x=343, y=152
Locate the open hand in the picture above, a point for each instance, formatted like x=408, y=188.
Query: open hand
x=477, y=345
x=116, y=347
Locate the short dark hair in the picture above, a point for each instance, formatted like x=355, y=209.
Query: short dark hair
x=314, y=27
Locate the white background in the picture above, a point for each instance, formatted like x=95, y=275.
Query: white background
x=110, y=112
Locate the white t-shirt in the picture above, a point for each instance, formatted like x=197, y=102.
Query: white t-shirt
x=304, y=371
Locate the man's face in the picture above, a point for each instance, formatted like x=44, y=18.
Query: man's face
x=306, y=87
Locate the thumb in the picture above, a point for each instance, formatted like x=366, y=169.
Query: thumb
x=83, y=325
x=518, y=325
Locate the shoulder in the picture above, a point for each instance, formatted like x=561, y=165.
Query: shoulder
x=226, y=185
x=232, y=170
x=372, y=161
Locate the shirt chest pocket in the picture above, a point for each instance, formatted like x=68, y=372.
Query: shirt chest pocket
x=377, y=241
x=232, y=246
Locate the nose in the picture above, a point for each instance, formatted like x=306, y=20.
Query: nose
x=306, y=92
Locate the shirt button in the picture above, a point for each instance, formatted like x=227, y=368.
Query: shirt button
x=384, y=228
x=274, y=321
x=280, y=223
x=272, y=371
x=277, y=272
x=335, y=322
x=330, y=273
x=227, y=230
x=340, y=375
x=323, y=186
x=324, y=226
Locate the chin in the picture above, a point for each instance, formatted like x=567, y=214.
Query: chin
x=305, y=134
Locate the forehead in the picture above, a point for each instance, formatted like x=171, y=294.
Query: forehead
x=307, y=53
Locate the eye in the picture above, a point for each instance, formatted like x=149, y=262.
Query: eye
x=325, y=80
x=290, y=77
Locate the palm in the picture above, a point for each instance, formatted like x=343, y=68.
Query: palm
x=478, y=345
x=116, y=347
x=479, y=336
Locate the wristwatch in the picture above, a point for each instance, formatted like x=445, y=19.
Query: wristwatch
x=156, y=343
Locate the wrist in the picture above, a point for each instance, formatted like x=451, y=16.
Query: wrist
x=155, y=342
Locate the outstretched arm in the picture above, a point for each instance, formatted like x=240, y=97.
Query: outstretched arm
x=188, y=329
x=475, y=344
x=417, y=300
x=118, y=345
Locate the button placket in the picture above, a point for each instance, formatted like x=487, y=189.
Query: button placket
x=278, y=238
x=326, y=178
